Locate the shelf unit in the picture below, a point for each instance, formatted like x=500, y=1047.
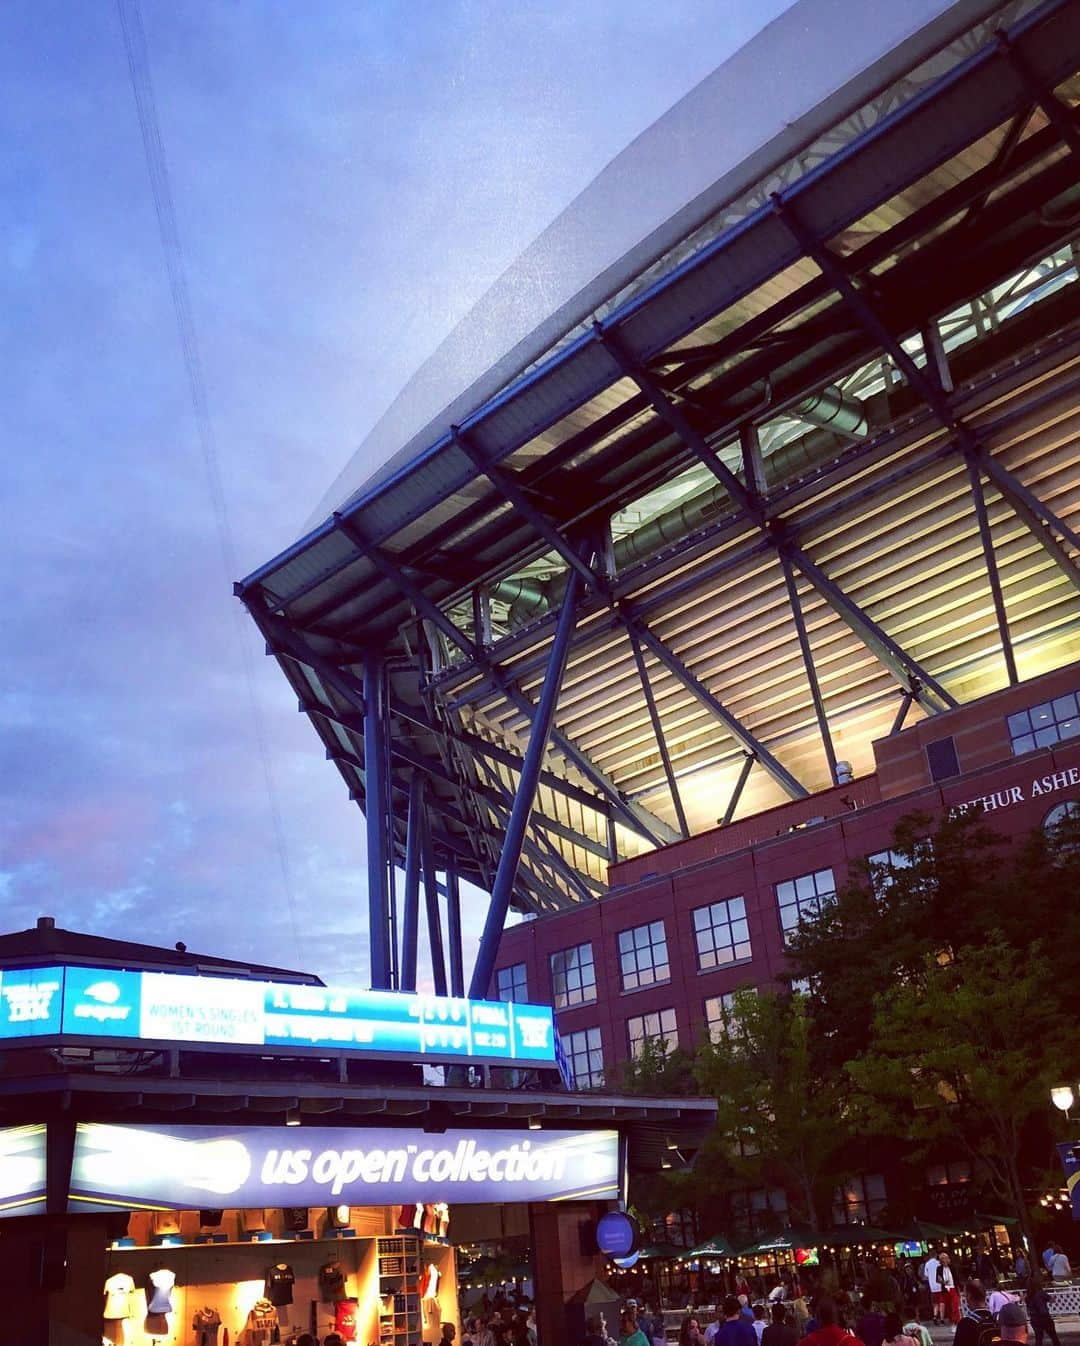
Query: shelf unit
x=399, y=1291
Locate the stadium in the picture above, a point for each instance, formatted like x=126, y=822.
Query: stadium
x=740, y=506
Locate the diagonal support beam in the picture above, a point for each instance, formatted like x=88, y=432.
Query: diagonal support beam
x=935, y=397
x=808, y=665
x=711, y=702
x=895, y=659
x=990, y=558
x=736, y=794
x=658, y=731
x=1057, y=114
x=638, y=819
x=901, y=714
x=502, y=888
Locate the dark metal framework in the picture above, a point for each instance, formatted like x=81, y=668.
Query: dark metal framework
x=383, y=619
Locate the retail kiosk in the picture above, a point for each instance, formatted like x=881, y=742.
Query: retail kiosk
x=202, y=1153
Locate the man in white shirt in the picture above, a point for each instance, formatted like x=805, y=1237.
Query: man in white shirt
x=931, y=1269
x=1059, y=1267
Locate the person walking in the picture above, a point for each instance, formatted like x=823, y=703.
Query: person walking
x=977, y=1326
x=630, y=1334
x=1038, y=1307
x=779, y=1332
x=1059, y=1264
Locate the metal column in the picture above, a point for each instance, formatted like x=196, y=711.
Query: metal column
x=453, y=933
x=377, y=811
x=431, y=907
x=542, y=720
x=410, y=923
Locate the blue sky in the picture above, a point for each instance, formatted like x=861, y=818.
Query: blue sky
x=348, y=178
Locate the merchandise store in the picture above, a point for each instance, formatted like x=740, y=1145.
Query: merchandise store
x=160, y=1186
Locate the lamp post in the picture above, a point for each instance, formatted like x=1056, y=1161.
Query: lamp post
x=1062, y=1097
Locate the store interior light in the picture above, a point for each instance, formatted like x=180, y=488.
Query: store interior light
x=671, y=1143
x=1062, y=1097
x=292, y=1117
x=665, y=1161
x=534, y=1123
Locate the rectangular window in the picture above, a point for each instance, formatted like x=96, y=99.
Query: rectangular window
x=510, y=983
x=721, y=933
x=659, y=1026
x=801, y=899
x=643, y=956
x=573, y=976
x=952, y=1171
x=760, y=1209
x=585, y=1056
x=720, y=1018
x=860, y=1199
x=1047, y=723
x=941, y=758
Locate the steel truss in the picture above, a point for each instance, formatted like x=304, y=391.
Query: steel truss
x=410, y=750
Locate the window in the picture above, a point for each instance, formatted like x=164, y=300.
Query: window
x=573, y=976
x=884, y=864
x=859, y=1200
x=952, y=1171
x=660, y=1026
x=585, y=1056
x=942, y=759
x=720, y=1017
x=760, y=1209
x=643, y=956
x=678, y=1227
x=1059, y=813
x=801, y=899
x=1044, y=724
x=511, y=984
x=721, y=933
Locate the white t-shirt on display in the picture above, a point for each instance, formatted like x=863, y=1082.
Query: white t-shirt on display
x=118, y=1290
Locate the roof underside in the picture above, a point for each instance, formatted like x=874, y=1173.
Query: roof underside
x=736, y=437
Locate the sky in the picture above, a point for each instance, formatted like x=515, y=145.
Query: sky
x=349, y=177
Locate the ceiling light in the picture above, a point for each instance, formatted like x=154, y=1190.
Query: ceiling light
x=292, y=1116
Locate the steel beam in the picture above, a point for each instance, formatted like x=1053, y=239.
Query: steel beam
x=808, y=665
x=431, y=906
x=638, y=819
x=502, y=888
x=453, y=932
x=711, y=702
x=934, y=396
x=901, y=715
x=377, y=817
x=1057, y=114
x=410, y=925
x=658, y=732
x=987, y=539
x=736, y=794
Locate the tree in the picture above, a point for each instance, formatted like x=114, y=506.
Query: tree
x=781, y=1110
x=658, y=1072
x=967, y=1047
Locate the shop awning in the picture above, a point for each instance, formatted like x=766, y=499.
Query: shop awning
x=717, y=1246
x=856, y=1236
x=660, y=1252
x=791, y=1240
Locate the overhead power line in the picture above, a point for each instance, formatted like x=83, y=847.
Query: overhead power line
x=157, y=168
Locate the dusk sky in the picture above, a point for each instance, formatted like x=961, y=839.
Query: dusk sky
x=348, y=179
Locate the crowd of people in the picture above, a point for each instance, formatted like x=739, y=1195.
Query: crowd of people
x=985, y=1300
x=499, y=1320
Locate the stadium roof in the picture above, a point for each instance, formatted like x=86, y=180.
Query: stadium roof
x=811, y=469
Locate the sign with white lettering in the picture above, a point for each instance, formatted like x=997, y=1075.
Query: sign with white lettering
x=169, y=1007
x=22, y=1170
x=188, y=1167
x=1010, y=795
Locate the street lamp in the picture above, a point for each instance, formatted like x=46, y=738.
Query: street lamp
x=1062, y=1097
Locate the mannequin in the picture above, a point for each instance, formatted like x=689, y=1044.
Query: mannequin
x=206, y=1324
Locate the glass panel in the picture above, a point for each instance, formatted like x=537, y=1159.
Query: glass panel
x=1019, y=723
x=1025, y=743
x=1064, y=707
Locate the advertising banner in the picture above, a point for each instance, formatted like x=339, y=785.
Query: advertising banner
x=22, y=1170
x=164, y=1007
x=189, y=1167
x=1069, y=1154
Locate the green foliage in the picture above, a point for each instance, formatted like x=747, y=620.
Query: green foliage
x=658, y=1073
x=780, y=1111
x=966, y=1047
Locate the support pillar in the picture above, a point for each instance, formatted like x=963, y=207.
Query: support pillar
x=377, y=817
x=453, y=933
x=542, y=720
x=431, y=907
x=410, y=919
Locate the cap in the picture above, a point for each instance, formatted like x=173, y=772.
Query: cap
x=1013, y=1315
